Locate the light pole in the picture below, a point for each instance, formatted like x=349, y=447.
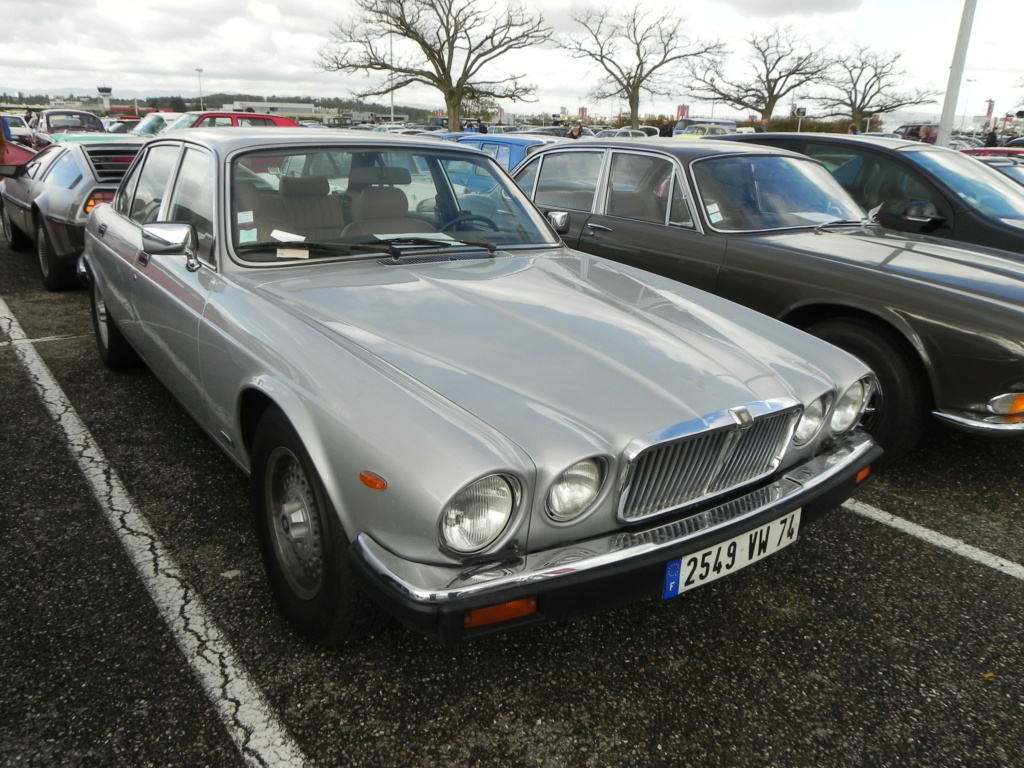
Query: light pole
x=967, y=102
x=199, y=70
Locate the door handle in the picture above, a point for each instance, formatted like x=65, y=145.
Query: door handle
x=102, y=230
x=598, y=227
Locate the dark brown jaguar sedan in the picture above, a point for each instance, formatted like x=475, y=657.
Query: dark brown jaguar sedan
x=939, y=323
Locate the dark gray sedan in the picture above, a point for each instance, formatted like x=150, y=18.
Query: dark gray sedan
x=940, y=324
x=45, y=201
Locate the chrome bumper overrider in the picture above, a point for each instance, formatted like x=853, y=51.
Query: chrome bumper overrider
x=439, y=584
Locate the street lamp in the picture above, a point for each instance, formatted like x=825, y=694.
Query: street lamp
x=967, y=102
x=199, y=70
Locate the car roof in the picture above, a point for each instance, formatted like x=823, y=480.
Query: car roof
x=862, y=139
x=286, y=138
x=684, y=150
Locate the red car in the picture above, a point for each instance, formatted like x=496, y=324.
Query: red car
x=994, y=151
x=218, y=119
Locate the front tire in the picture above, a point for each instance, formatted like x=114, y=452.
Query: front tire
x=898, y=412
x=115, y=351
x=58, y=275
x=304, y=547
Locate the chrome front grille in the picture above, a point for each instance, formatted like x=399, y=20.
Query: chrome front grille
x=686, y=470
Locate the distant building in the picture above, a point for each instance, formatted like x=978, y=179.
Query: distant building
x=272, y=106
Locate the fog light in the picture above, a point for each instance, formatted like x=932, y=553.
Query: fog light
x=495, y=614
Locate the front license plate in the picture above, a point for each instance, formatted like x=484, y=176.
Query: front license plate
x=728, y=557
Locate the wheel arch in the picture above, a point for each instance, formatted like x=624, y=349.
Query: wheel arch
x=892, y=325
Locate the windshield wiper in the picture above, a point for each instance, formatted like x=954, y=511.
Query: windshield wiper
x=342, y=249
x=868, y=222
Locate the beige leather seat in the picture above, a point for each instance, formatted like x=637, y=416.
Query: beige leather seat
x=380, y=207
x=305, y=206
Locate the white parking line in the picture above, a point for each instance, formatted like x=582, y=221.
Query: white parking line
x=956, y=546
x=259, y=737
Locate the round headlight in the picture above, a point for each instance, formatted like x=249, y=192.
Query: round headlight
x=574, y=490
x=850, y=407
x=477, y=514
x=810, y=422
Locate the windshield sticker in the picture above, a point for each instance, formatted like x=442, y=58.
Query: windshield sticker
x=248, y=235
x=245, y=217
x=292, y=253
x=713, y=213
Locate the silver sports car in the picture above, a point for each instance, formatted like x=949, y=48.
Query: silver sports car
x=445, y=413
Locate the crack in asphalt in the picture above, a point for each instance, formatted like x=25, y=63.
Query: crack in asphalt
x=259, y=738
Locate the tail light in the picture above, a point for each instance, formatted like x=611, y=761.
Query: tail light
x=97, y=197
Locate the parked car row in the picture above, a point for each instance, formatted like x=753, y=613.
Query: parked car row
x=476, y=402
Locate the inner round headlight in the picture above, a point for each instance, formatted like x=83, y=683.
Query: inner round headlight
x=850, y=407
x=810, y=422
x=477, y=514
x=574, y=490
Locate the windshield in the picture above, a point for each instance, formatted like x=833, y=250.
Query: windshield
x=151, y=124
x=185, y=121
x=983, y=189
x=758, y=192
x=331, y=201
x=73, y=122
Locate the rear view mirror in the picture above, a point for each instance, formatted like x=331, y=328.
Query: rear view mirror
x=560, y=221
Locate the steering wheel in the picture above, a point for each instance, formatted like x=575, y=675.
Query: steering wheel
x=464, y=217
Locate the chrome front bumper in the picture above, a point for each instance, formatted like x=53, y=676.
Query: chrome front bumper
x=418, y=583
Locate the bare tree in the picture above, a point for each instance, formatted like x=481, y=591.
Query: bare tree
x=782, y=64
x=864, y=83
x=638, y=50
x=452, y=42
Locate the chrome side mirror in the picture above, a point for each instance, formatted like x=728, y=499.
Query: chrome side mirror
x=560, y=221
x=171, y=238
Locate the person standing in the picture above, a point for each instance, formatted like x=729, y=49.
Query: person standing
x=575, y=132
x=992, y=140
x=665, y=129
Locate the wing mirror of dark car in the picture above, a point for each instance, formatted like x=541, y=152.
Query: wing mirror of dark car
x=171, y=237
x=922, y=212
x=560, y=221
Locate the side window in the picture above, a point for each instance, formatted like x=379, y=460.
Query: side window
x=257, y=122
x=192, y=198
x=680, y=213
x=37, y=165
x=154, y=173
x=569, y=180
x=527, y=178
x=65, y=172
x=638, y=187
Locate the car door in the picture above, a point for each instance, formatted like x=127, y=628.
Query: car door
x=565, y=181
x=19, y=193
x=169, y=297
x=117, y=236
x=643, y=218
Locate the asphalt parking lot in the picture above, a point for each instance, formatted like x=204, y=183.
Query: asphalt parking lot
x=136, y=628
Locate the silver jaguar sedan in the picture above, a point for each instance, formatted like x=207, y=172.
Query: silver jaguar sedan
x=447, y=416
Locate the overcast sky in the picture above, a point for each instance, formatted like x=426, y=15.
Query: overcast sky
x=266, y=48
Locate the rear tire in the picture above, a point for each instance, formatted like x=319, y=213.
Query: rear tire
x=115, y=351
x=898, y=412
x=304, y=547
x=16, y=239
x=58, y=275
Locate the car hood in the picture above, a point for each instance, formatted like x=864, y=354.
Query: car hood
x=981, y=271
x=538, y=345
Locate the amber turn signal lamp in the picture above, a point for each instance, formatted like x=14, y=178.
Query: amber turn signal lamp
x=863, y=475
x=370, y=480
x=495, y=614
